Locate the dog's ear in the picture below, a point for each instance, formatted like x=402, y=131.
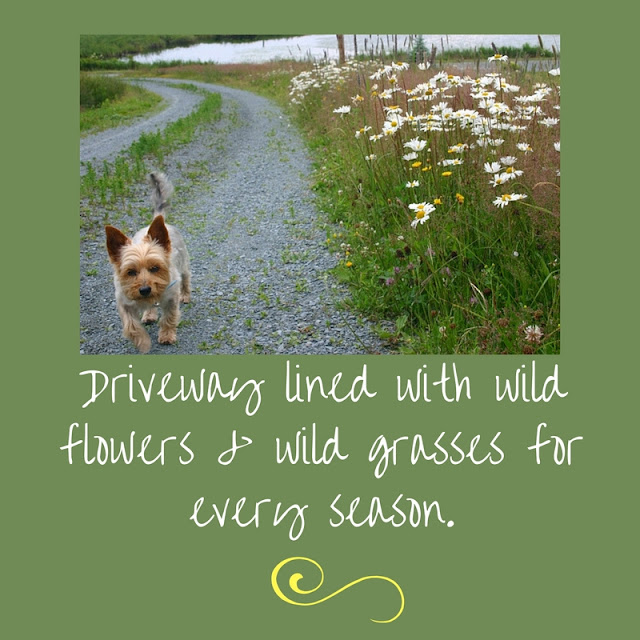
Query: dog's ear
x=159, y=232
x=115, y=241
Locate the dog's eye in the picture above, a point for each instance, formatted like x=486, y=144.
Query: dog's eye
x=154, y=269
x=132, y=272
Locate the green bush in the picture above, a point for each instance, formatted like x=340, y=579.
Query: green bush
x=95, y=90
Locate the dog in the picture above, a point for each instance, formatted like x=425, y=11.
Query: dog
x=150, y=271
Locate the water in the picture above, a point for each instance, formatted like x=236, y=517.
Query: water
x=326, y=47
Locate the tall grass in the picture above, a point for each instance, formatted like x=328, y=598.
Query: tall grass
x=95, y=90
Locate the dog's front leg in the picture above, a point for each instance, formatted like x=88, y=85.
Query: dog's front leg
x=169, y=320
x=133, y=330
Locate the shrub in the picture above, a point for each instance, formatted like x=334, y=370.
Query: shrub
x=96, y=89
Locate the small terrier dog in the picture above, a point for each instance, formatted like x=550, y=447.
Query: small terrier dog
x=150, y=270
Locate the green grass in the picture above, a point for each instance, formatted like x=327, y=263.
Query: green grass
x=132, y=102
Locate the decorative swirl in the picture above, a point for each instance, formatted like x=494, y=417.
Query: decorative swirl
x=296, y=577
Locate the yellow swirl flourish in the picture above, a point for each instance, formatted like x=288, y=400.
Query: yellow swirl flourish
x=296, y=577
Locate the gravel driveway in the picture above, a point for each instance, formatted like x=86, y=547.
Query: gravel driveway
x=257, y=241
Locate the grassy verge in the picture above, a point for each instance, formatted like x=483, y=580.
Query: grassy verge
x=446, y=191
x=133, y=102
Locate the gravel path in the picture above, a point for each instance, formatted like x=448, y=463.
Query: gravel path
x=257, y=242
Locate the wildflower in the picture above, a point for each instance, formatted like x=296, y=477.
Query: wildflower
x=446, y=174
x=459, y=198
x=356, y=99
x=516, y=254
x=423, y=66
x=342, y=110
x=426, y=168
x=549, y=122
x=422, y=210
x=362, y=131
x=410, y=156
x=513, y=173
x=493, y=167
x=390, y=282
x=499, y=179
x=554, y=72
x=437, y=201
x=416, y=144
x=451, y=162
x=498, y=57
x=371, y=157
x=503, y=200
x=416, y=164
x=412, y=184
x=348, y=263
x=508, y=160
x=533, y=333
x=523, y=146
x=556, y=146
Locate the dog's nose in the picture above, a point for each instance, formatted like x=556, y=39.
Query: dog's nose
x=144, y=291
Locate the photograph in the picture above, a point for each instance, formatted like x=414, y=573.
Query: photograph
x=320, y=194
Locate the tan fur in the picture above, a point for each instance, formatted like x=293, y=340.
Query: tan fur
x=151, y=270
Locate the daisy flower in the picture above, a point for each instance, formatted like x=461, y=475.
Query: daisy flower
x=412, y=184
x=554, y=72
x=556, y=146
x=498, y=57
x=523, y=146
x=416, y=144
x=503, y=200
x=508, y=160
x=342, y=110
x=493, y=167
x=422, y=212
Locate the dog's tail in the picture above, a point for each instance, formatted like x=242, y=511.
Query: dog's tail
x=162, y=191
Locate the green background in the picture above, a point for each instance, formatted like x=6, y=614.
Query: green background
x=109, y=552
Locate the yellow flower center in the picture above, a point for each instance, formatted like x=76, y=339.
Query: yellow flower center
x=420, y=214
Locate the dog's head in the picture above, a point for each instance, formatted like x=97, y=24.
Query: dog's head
x=142, y=268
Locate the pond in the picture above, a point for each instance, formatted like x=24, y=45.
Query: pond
x=320, y=47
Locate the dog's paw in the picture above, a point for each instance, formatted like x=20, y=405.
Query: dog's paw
x=150, y=315
x=185, y=297
x=143, y=344
x=167, y=336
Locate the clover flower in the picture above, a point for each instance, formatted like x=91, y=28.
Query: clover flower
x=533, y=333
